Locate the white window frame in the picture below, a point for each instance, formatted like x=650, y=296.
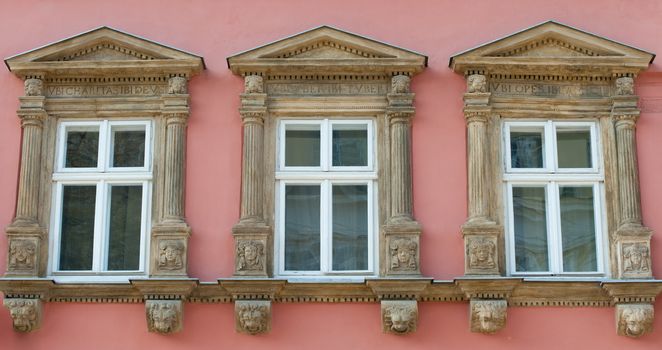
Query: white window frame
x=326, y=175
x=551, y=177
x=103, y=177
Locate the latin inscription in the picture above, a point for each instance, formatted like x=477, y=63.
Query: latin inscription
x=104, y=90
x=549, y=90
x=327, y=89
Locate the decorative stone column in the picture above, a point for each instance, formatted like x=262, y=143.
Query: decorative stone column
x=401, y=250
x=26, y=234
x=170, y=235
x=632, y=238
x=251, y=233
x=481, y=233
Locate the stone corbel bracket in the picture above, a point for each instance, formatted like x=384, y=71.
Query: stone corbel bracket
x=488, y=301
x=24, y=300
x=634, y=305
x=399, y=302
x=164, y=303
x=252, y=302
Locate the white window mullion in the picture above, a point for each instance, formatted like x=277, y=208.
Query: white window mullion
x=104, y=148
x=99, y=227
x=549, y=145
x=281, y=226
x=597, y=212
x=510, y=216
x=325, y=223
x=57, y=227
x=325, y=145
x=553, y=227
x=144, y=224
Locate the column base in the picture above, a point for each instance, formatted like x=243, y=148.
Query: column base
x=481, y=248
x=252, y=251
x=169, y=250
x=633, y=252
x=401, y=249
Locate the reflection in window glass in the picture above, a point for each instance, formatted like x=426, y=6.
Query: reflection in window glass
x=77, y=230
x=302, y=227
x=128, y=146
x=125, y=220
x=530, y=224
x=350, y=227
x=574, y=148
x=82, y=148
x=350, y=145
x=578, y=229
x=526, y=149
x=302, y=145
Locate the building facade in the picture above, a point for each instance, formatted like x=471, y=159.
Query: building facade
x=290, y=175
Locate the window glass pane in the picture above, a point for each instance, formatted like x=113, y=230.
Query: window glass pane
x=77, y=230
x=350, y=227
x=128, y=146
x=124, y=227
x=350, y=145
x=530, y=225
x=302, y=228
x=578, y=229
x=82, y=147
x=526, y=149
x=302, y=145
x=574, y=148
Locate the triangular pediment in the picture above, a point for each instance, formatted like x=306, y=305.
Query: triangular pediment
x=326, y=48
x=103, y=48
x=549, y=45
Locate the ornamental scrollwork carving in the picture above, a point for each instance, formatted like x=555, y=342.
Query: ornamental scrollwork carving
x=488, y=316
x=252, y=316
x=177, y=85
x=253, y=84
x=403, y=254
x=399, y=316
x=636, y=258
x=634, y=320
x=22, y=254
x=476, y=83
x=400, y=84
x=482, y=253
x=250, y=256
x=25, y=313
x=164, y=316
x=33, y=87
x=624, y=86
x=171, y=255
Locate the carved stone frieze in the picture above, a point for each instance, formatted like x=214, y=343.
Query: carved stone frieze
x=253, y=84
x=634, y=320
x=403, y=254
x=177, y=85
x=250, y=255
x=400, y=84
x=399, y=316
x=164, y=316
x=171, y=255
x=25, y=313
x=482, y=252
x=34, y=87
x=252, y=316
x=23, y=254
x=488, y=316
x=169, y=249
x=625, y=86
x=636, y=259
x=476, y=83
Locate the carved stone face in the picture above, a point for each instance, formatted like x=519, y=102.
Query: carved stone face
x=250, y=252
x=21, y=254
x=399, y=316
x=177, y=85
x=635, y=257
x=481, y=253
x=33, y=87
x=403, y=253
x=488, y=316
x=170, y=254
x=476, y=83
x=24, y=313
x=164, y=316
x=253, y=317
x=625, y=86
x=400, y=84
x=634, y=320
x=253, y=84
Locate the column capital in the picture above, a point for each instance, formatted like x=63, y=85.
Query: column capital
x=176, y=117
x=626, y=119
x=396, y=116
x=476, y=116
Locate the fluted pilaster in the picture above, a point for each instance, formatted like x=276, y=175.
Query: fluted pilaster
x=627, y=171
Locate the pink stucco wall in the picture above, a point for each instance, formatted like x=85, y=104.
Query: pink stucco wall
x=217, y=29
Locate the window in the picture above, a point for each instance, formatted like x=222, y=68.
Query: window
x=326, y=194
x=102, y=182
x=554, y=185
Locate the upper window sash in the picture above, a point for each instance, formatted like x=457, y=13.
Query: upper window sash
x=106, y=140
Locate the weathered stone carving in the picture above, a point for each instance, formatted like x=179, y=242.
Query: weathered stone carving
x=34, y=87
x=177, y=85
x=400, y=84
x=25, y=313
x=636, y=257
x=253, y=84
x=482, y=253
x=252, y=316
x=399, y=316
x=171, y=255
x=634, y=320
x=164, y=316
x=403, y=254
x=250, y=255
x=476, y=83
x=488, y=316
x=22, y=254
x=624, y=86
